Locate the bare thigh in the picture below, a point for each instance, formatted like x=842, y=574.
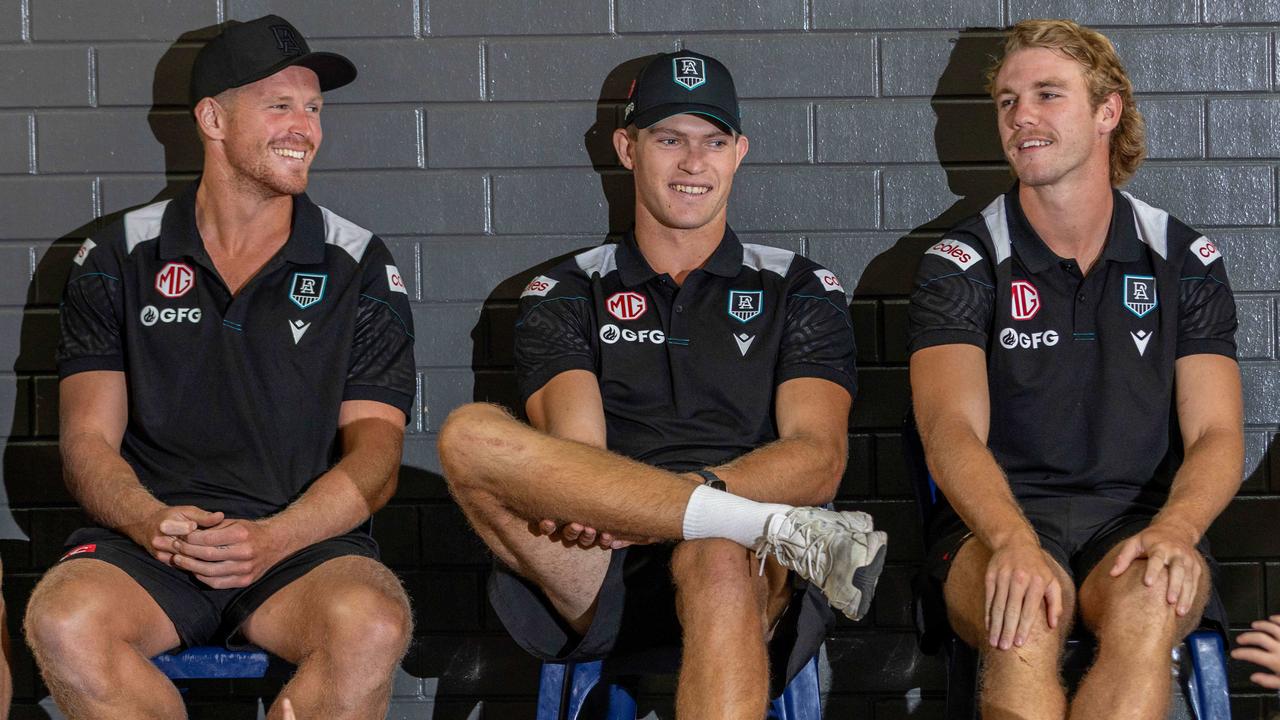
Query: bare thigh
x=87, y=596
x=351, y=591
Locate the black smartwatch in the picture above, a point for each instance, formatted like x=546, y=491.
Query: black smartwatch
x=711, y=480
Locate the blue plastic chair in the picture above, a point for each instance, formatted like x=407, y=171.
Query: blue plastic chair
x=1205, y=683
x=564, y=687
x=218, y=663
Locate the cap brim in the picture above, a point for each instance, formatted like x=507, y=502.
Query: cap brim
x=649, y=116
x=333, y=69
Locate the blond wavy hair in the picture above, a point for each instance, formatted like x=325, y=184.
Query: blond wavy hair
x=1103, y=73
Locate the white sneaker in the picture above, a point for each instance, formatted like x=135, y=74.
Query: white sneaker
x=840, y=552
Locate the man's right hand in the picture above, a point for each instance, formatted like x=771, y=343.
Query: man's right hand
x=587, y=537
x=1020, y=583
x=159, y=530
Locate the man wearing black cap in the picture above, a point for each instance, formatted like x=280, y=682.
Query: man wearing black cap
x=236, y=369
x=719, y=377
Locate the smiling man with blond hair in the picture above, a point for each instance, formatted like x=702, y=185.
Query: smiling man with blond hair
x=1075, y=385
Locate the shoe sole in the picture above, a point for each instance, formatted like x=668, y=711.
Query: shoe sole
x=866, y=577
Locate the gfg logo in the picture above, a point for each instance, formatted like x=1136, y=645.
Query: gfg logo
x=610, y=334
x=151, y=315
x=1010, y=339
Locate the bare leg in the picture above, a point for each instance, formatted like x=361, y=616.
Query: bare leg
x=346, y=624
x=1136, y=630
x=93, y=630
x=725, y=612
x=6, y=680
x=504, y=473
x=483, y=448
x=1021, y=682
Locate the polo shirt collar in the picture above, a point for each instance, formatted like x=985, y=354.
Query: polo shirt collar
x=179, y=236
x=634, y=269
x=1122, y=243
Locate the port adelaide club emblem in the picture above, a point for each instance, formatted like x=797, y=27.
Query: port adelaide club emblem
x=1140, y=294
x=745, y=305
x=307, y=289
x=690, y=72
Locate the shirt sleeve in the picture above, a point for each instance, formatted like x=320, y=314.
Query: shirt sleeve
x=382, y=366
x=91, y=317
x=1207, y=308
x=953, y=298
x=554, y=331
x=817, y=339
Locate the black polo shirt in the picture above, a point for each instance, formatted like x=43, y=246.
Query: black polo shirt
x=1080, y=368
x=233, y=401
x=687, y=373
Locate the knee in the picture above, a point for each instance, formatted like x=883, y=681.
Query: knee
x=1126, y=607
x=466, y=431
x=367, y=625
x=712, y=569
x=69, y=632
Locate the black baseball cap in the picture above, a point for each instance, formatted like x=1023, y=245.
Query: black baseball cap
x=683, y=82
x=246, y=52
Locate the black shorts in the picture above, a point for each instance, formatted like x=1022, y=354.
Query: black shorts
x=201, y=614
x=1077, y=531
x=636, y=617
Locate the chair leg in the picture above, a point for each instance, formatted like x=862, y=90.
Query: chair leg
x=1210, y=698
x=801, y=700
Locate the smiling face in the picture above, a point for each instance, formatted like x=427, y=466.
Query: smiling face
x=1049, y=128
x=272, y=131
x=683, y=167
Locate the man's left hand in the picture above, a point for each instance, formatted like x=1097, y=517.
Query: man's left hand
x=1165, y=546
x=232, y=554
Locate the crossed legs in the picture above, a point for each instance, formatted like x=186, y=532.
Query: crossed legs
x=504, y=474
x=346, y=624
x=1135, y=627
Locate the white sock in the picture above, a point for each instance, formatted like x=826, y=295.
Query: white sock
x=714, y=513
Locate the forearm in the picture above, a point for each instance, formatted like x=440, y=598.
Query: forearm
x=1210, y=475
x=105, y=485
x=967, y=473
x=342, y=498
x=798, y=470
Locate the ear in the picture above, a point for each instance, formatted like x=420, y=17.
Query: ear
x=624, y=147
x=1108, y=114
x=742, y=148
x=211, y=118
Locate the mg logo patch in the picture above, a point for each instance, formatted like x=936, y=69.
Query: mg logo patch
x=689, y=72
x=1140, y=294
x=175, y=279
x=1026, y=300
x=626, y=305
x=307, y=289
x=745, y=305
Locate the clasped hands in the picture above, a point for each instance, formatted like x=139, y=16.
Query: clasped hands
x=219, y=552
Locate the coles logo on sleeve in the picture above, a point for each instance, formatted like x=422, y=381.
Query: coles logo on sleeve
x=955, y=251
x=829, y=280
x=539, y=286
x=1026, y=300
x=175, y=279
x=1205, y=251
x=626, y=305
x=83, y=252
x=394, y=281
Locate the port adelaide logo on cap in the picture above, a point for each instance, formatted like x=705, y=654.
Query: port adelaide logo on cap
x=690, y=72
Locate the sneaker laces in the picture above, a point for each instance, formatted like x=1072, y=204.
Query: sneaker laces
x=810, y=558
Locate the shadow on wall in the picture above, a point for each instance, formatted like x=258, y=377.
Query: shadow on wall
x=492, y=339
x=31, y=466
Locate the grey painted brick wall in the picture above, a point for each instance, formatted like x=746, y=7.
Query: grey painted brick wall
x=477, y=142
